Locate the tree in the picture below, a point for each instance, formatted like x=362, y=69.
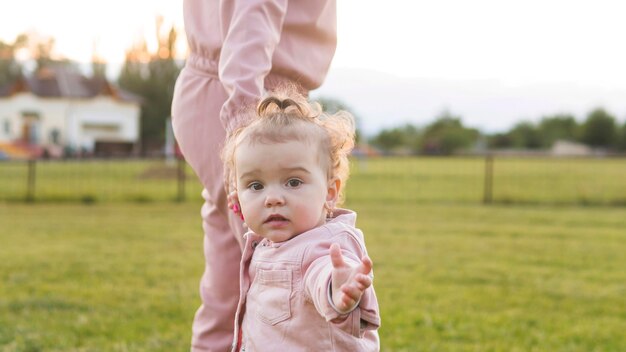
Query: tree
x=42, y=49
x=500, y=141
x=10, y=68
x=447, y=135
x=621, y=141
x=558, y=127
x=38, y=48
x=98, y=67
x=525, y=135
x=153, y=77
x=599, y=130
x=405, y=138
x=98, y=64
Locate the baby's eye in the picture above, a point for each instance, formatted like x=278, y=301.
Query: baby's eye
x=294, y=182
x=255, y=186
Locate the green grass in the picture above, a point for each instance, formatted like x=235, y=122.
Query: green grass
x=91, y=181
x=532, y=181
x=475, y=278
x=560, y=181
x=98, y=278
x=450, y=274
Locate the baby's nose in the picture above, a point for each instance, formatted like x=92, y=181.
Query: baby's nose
x=274, y=198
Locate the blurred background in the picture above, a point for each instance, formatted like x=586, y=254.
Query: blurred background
x=520, y=75
x=489, y=175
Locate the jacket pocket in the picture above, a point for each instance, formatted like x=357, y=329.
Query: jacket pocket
x=273, y=292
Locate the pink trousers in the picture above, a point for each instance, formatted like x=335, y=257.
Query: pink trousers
x=198, y=98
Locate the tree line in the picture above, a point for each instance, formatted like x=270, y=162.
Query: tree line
x=447, y=135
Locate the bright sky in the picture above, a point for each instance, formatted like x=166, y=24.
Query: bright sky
x=76, y=25
x=516, y=41
x=513, y=42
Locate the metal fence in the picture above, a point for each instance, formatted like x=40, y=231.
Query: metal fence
x=97, y=180
x=488, y=180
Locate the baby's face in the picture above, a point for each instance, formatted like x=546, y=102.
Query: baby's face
x=282, y=188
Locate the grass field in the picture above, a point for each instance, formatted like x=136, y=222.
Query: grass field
x=451, y=274
x=531, y=181
x=91, y=181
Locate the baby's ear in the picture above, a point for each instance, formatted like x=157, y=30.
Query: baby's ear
x=233, y=204
x=233, y=199
x=334, y=187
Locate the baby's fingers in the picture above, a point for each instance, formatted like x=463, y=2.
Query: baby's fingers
x=366, y=265
x=351, y=294
x=335, y=256
x=363, y=281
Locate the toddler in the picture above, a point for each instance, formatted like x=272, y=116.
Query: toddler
x=306, y=279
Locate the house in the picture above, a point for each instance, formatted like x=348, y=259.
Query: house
x=568, y=148
x=58, y=111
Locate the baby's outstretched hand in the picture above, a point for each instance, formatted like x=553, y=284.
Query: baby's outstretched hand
x=348, y=283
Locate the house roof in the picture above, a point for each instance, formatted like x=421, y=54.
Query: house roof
x=63, y=82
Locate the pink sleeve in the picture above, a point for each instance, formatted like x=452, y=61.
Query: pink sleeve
x=246, y=54
x=317, y=280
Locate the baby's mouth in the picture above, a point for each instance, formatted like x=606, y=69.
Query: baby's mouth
x=275, y=217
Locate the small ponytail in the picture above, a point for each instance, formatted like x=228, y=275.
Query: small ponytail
x=265, y=108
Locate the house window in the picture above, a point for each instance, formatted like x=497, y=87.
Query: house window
x=92, y=127
x=55, y=136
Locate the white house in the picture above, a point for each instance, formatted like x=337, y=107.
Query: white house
x=59, y=109
x=568, y=148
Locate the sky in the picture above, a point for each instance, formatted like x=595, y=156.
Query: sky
x=514, y=41
x=493, y=62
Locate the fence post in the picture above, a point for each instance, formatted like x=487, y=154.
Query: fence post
x=488, y=188
x=30, y=190
x=181, y=179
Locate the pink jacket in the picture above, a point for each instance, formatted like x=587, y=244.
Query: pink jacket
x=257, y=43
x=284, y=303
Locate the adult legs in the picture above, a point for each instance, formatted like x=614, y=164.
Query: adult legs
x=198, y=99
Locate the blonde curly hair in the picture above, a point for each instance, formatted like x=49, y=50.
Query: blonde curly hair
x=286, y=115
